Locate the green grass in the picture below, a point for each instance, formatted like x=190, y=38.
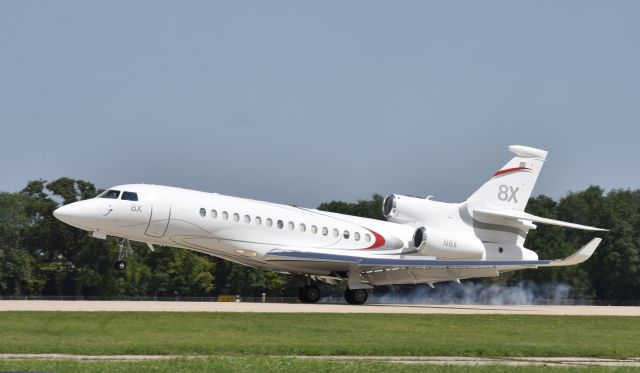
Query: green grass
x=263, y=364
x=107, y=333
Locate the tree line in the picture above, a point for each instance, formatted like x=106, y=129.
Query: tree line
x=40, y=255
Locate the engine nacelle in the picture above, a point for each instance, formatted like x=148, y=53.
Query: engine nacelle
x=405, y=209
x=433, y=242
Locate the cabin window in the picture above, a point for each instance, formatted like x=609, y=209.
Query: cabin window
x=112, y=194
x=129, y=196
x=280, y=224
x=247, y=219
x=225, y=215
x=269, y=222
x=214, y=213
x=367, y=237
x=345, y=234
x=258, y=220
x=291, y=225
x=203, y=212
x=356, y=236
x=314, y=229
x=303, y=227
x=325, y=231
x=236, y=217
x=336, y=232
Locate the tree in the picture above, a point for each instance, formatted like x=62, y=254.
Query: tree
x=371, y=208
x=40, y=255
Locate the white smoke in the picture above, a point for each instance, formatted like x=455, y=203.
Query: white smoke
x=522, y=293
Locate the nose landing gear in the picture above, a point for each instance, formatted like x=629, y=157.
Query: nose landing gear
x=125, y=250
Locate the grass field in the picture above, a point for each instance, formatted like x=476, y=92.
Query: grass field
x=263, y=364
x=107, y=333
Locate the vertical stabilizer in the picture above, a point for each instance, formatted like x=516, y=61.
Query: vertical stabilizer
x=511, y=186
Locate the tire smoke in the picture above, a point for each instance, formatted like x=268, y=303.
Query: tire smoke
x=522, y=293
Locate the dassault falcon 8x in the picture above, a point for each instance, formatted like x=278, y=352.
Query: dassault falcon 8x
x=422, y=241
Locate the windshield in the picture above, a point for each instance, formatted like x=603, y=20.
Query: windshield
x=129, y=196
x=113, y=194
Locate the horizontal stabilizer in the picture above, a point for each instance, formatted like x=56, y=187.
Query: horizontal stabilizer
x=525, y=217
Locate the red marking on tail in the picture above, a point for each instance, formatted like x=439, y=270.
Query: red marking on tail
x=508, y=170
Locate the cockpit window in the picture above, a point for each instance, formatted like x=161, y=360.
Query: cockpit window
x=113, y=194
x=129, y=196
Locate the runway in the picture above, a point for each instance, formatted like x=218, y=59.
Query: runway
x=152, y=306
x=438, y=360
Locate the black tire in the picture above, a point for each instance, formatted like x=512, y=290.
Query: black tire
x=120, y=265
x=356, y=296
x=302, y=295
x=312, y=293
x=348, y=296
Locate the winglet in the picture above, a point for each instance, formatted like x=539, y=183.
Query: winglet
x=578, y=257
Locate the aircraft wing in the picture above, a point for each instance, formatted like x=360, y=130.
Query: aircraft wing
x=523, y=216
x=414, y=261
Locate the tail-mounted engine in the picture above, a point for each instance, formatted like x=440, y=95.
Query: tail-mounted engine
x=433, y=242
x=404, y=209
x=443, y=243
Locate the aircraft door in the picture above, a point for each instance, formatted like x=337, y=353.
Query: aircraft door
x=160, y=215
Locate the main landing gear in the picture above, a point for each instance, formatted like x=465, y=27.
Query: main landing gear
x=356, y=296
x=309, y=293
x=125, y=250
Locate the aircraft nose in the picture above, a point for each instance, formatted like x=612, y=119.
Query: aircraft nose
x=77, y=214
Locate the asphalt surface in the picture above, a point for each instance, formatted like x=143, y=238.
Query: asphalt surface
x=151, y=306
x=440, y=360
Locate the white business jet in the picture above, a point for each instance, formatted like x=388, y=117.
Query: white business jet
x=423, y=241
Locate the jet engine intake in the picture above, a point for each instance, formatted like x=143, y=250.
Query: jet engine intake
x=389, y=206
x=420, y=237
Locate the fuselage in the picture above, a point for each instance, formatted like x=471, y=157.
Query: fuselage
x=244, y=230
x=423, y=241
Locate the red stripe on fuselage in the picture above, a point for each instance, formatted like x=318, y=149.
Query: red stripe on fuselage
x=378, y=242
x=507, y=170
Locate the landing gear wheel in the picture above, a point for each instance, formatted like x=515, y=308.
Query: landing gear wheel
x=312, y=293
x=120, y=265
x=356, y=296
x=309, y=294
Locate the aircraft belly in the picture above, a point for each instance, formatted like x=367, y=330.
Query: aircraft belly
x=311, y=267
x=211, y=247
x=245, y=254
x=425, y=275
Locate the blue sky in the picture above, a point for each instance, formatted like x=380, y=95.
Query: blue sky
x=305, y=102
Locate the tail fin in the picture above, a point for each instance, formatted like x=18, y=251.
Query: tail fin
x=511, y=187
